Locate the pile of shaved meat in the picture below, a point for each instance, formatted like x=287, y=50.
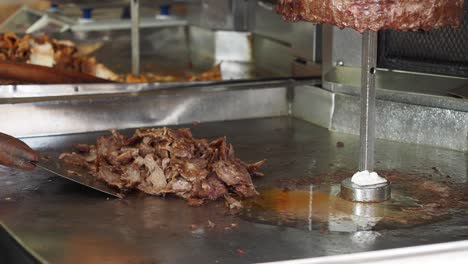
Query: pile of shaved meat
x=64, y=54
x=159, y=161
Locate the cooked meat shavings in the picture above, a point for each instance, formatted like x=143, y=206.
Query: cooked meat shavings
x=211, y=224
x=375, y=15
x=64, y=54
x=232, y=203
x=214, y=74
x=44, y=51
x=159, y=161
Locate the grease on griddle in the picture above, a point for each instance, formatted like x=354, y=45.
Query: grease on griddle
x=313, y=203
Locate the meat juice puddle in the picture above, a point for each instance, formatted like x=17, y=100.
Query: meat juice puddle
x=415, y=201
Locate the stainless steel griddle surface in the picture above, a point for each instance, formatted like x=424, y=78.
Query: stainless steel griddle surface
x=65, y=223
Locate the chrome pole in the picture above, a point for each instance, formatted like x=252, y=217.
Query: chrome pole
x=349, y=190
x=367, y=131
x=135, y=36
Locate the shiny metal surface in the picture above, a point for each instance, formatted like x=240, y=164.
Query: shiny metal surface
x=306, y=69
x=135, y=36
x=405, y=87
x=218, y=14
x=339, y=112
x=402, y=122
x=64, y=223
x=405, y=122
x=268, y=65
x=461, y=92
x=302, y=38
x=119, y=24
x=342, y=74
x=341, y=45
x=28, y=20
x=182, y=105
x=74, y=173
x=313, y=105
x=411, y=107
x=349, y=190
x=365, y=194
x=367, y=124
x=457, y=252
x=233, y=46
x=183, y=50
x=233, y=50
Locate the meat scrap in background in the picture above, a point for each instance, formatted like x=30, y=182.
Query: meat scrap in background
x=44, y=51
x=160, y=161
x=63, y=54
x=375, y=14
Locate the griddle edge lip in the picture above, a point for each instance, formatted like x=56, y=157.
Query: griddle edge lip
x=35, y=258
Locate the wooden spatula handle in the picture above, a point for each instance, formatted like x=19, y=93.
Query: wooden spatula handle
x=14, y=153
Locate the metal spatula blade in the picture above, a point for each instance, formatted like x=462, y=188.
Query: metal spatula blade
x=76, y=174
x=460, y=92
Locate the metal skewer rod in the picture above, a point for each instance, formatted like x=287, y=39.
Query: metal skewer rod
x=135, y=36
x=367, y=130
x=349, y=190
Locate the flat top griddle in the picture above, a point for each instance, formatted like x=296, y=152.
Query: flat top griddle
x=66, y=223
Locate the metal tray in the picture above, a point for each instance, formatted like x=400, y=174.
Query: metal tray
x=62, y=222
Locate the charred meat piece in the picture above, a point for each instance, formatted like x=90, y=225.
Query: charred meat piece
x=232, y=172
x=375, y=14
x=169, y=161
x=112, y=178
x=80, y=160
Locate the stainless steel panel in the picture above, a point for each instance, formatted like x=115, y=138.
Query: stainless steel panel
x=313, y=105
x=267, y=64
x=233, y=46
x=64, y=223
x=406, y=123
x=346, y=47
x=306, y=41
x=233, y=70
x=341, y=46
x=457, y=252
x=8, y=92
x=398, y=121
x=75, y=114
x=175, y=50
x=212, y=46
x=403, y=122
x=460, y=92
x=405, y=87
x=218, y=14
x=302, y=37
x=306, y=69
x=202, y=46
x=119, y=24
x=233, y=50
x=265, y=22
x=164, y=50
x=341, y=73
